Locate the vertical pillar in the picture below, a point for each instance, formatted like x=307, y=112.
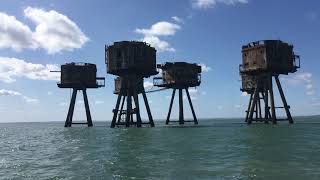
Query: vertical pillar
x=170, y=107
x=181, y=118
x=259, y=107
x=121, y=108
x=285, y=105
x=136, y=101
x=86, y=103
x=71, y=109
x=273, y=110
x=115, y=111
x=266, y=104
x=148, y=108
x=191, y=106
x=254, y=102
x=249, y=105
x=129, y=108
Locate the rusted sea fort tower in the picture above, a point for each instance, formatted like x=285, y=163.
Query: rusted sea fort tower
x=131, y=61
x=261, y=62
x=79, y=77
x=179, y=76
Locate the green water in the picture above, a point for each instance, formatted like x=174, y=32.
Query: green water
x=216, y=149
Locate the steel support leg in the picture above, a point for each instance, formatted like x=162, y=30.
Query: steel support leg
x=129, y=109
x=259, y=107
x=273, y=110
x=285, y=105
x=86, y=103
x=148, y=108
x=170, y=106
x=115, y=112
x=181, y=118
x=253, y=103
x=136, y=102
x=121, y=108
x=191, y=106
x=71, y=109
x=249, y=105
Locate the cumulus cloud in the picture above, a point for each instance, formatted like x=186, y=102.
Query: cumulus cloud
x=152, y=34
x=205, y=68
x=159, y=44
x=5, y=92
x=12, y=68
x=54, y=32
x=14, y=34
x=161, y=28
x=205, y=4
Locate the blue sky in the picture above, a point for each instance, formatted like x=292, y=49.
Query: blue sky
x=37, y=36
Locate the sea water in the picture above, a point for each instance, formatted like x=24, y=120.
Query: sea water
x=215, y=149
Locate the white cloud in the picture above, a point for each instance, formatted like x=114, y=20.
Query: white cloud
x=205, y=4
x=4, y=92
x=244, y=94
x=147, y=84
x=310, y=93
x=14, y=34
x=54, y=32
x=302, y=79
x=205, y=68
x=161, y=28
x=98, y=102
x=299, y=78
x=309, y=86
x=159, y=44
x=63, y=104
x=50, y=93
x=30, y=100
x=177, y=19
x=237, y=106
x=11, y=68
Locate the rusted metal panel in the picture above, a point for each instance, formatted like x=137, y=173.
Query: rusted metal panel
x=131, y=57
x=179, y=74
x=137, y=83
x=269, y=56
x=79, y=75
